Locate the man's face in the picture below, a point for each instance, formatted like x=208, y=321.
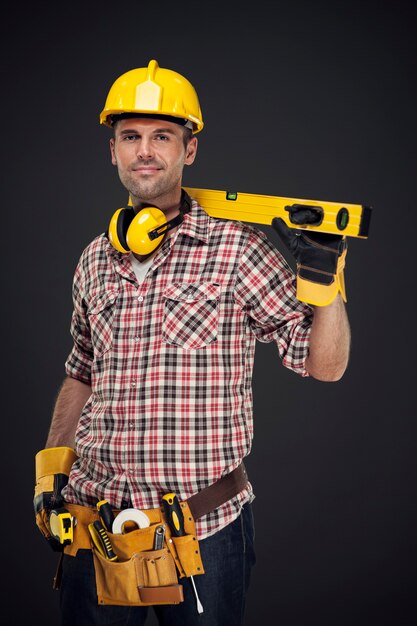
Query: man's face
x=150, y=156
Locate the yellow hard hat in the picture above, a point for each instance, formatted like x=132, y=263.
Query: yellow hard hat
x=153, y=90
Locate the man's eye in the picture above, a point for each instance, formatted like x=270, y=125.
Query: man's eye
x=130, y=137
x=162, y=137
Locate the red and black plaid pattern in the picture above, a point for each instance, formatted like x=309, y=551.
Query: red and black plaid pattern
x=170, y=361
x=191, y=313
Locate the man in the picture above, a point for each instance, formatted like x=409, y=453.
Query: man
x=157, y=397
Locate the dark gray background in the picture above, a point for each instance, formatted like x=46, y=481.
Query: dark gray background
x=308, y=100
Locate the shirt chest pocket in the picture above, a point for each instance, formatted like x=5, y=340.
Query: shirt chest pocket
x=191, y=314
x=101, y=315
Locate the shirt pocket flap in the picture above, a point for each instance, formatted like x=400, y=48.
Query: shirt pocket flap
x=101, y=301
x=191, y=292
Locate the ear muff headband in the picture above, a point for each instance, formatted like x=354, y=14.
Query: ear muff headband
x=161, y=230
x=143, y=232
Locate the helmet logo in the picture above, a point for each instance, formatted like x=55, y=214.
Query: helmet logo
x=148, y=96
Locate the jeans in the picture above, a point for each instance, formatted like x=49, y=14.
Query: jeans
x=228, y=557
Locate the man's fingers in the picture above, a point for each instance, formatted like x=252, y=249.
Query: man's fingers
x=287, y=234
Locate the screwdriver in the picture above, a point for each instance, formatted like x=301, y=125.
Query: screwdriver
x=175, y=519
x=101, y=540
x=106, y=514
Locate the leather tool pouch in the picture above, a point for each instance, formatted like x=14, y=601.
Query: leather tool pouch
x=141, y=575
x=148, y=577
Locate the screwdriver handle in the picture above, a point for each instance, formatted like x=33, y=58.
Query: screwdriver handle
x=106, y=514
x=101, y=540
x=174, y=514
x=175, y=520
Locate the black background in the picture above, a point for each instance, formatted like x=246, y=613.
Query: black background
x=309, y=100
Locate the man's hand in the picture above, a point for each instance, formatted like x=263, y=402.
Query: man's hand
x=320, y=261
x=53, y=466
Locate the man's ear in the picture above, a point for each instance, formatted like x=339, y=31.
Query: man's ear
x=191, y=151
x=112, y=152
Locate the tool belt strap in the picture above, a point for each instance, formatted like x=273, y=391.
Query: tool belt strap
x=213, y=496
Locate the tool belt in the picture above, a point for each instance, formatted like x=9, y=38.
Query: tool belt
x=142, y=575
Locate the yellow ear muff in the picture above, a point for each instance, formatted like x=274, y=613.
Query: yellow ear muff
x=135, y=232
x=144, y=231
x=143, y=223
x=118, y=227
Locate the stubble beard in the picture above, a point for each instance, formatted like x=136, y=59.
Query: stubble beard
x=147, y=188
x=144, y=190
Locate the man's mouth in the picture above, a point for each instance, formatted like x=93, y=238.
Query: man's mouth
x=146, y=168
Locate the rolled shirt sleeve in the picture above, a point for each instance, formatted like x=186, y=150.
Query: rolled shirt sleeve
x=265, y=289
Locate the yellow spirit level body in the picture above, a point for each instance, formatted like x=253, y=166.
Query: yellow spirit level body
x=351, y=220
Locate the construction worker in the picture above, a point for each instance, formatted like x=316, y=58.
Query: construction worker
x=168, y=305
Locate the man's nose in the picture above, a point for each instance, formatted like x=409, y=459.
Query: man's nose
x=144, y=149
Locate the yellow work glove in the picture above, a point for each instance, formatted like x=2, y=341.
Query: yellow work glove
x=52, y=468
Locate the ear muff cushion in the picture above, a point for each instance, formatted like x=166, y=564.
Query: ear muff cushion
x=118, y=228
x=124, y=220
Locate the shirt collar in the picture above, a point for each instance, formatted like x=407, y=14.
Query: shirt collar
x=121, y=260
x=196, y=223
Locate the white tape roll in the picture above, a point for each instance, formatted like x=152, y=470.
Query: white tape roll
x=129, y=515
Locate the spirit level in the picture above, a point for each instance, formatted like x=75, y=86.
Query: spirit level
x=352, y=220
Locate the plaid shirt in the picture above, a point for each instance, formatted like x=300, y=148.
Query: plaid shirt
x=170, y=362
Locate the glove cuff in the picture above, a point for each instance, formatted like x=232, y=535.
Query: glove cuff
x=54, y=461
x=318, y=294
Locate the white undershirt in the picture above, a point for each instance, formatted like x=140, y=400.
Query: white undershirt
x=141, y=267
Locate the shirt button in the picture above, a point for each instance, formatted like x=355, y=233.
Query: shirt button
x=140, y=299
x=133, y=383
x=136, y=338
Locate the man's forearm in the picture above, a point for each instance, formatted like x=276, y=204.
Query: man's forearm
x=329, y=342
x=70, y=401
